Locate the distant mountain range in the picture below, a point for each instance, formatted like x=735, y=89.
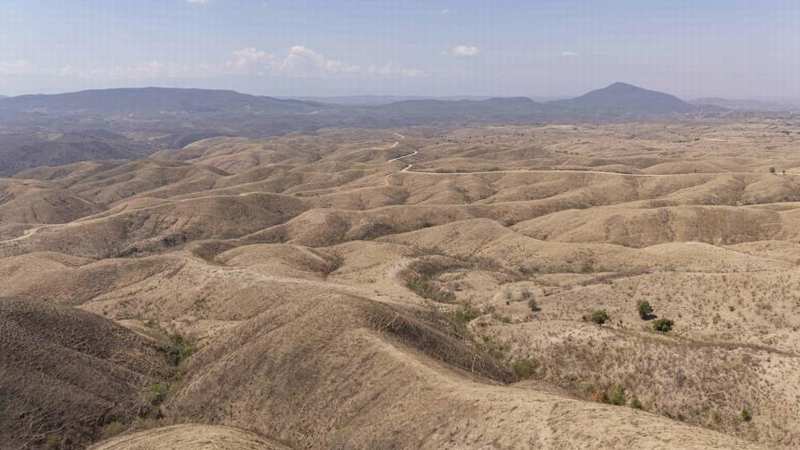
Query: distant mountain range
x=130, y=123
x=619, y=99
x=148, y=101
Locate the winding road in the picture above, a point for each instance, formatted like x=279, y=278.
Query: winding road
x=407, y=169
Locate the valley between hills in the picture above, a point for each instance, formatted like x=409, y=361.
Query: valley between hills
x=419, y=287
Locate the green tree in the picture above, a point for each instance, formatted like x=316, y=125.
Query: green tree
x=599, y=316
x=663, y=325
x=617, y=395
x=645, y=310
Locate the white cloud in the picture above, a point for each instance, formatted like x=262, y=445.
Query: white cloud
x=464, y=50
x=17, y=67
x=304, y=62
x=297, y=62
x=249, y=59
x=569, y=54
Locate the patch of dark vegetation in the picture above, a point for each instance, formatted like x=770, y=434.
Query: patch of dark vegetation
x=177, y=349
x=333, y=262
x=374, y=230
x=663, y=325
x=208, y=250
x=616, y=395
x=525, y=368
x=426, y=288
x=152, y=245
x=173, y=240
x=598, y=316
x=464, y=315
x=421, y=278
x=645, y=310
x=613, y=395
x=439, y=335
x=158, y=393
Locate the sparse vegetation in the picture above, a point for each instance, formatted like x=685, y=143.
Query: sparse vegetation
x=465, y=315
x=746, y=415
x=636, y=404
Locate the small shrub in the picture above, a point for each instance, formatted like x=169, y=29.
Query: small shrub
x=533, y=305
x=645, y=310
x=52, y=442
x=636, y=404
x=772, y=170
x=617, y=395
x=599, y=316
x=747, y=415
x=525, y=368
x=663, y=325
x=158, y=393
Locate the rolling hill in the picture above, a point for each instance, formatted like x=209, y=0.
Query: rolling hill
x=410, y=288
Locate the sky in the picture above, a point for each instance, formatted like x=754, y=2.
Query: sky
x=540, y=48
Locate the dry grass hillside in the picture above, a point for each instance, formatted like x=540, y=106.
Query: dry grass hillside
x=410, y=288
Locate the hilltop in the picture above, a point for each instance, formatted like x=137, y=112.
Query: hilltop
x=626, y=99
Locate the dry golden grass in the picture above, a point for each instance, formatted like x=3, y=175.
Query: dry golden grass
x=431, y=288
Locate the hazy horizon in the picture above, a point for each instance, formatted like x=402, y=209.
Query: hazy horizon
x=709, y=48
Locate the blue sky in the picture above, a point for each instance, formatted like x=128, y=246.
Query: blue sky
x=730, y=48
